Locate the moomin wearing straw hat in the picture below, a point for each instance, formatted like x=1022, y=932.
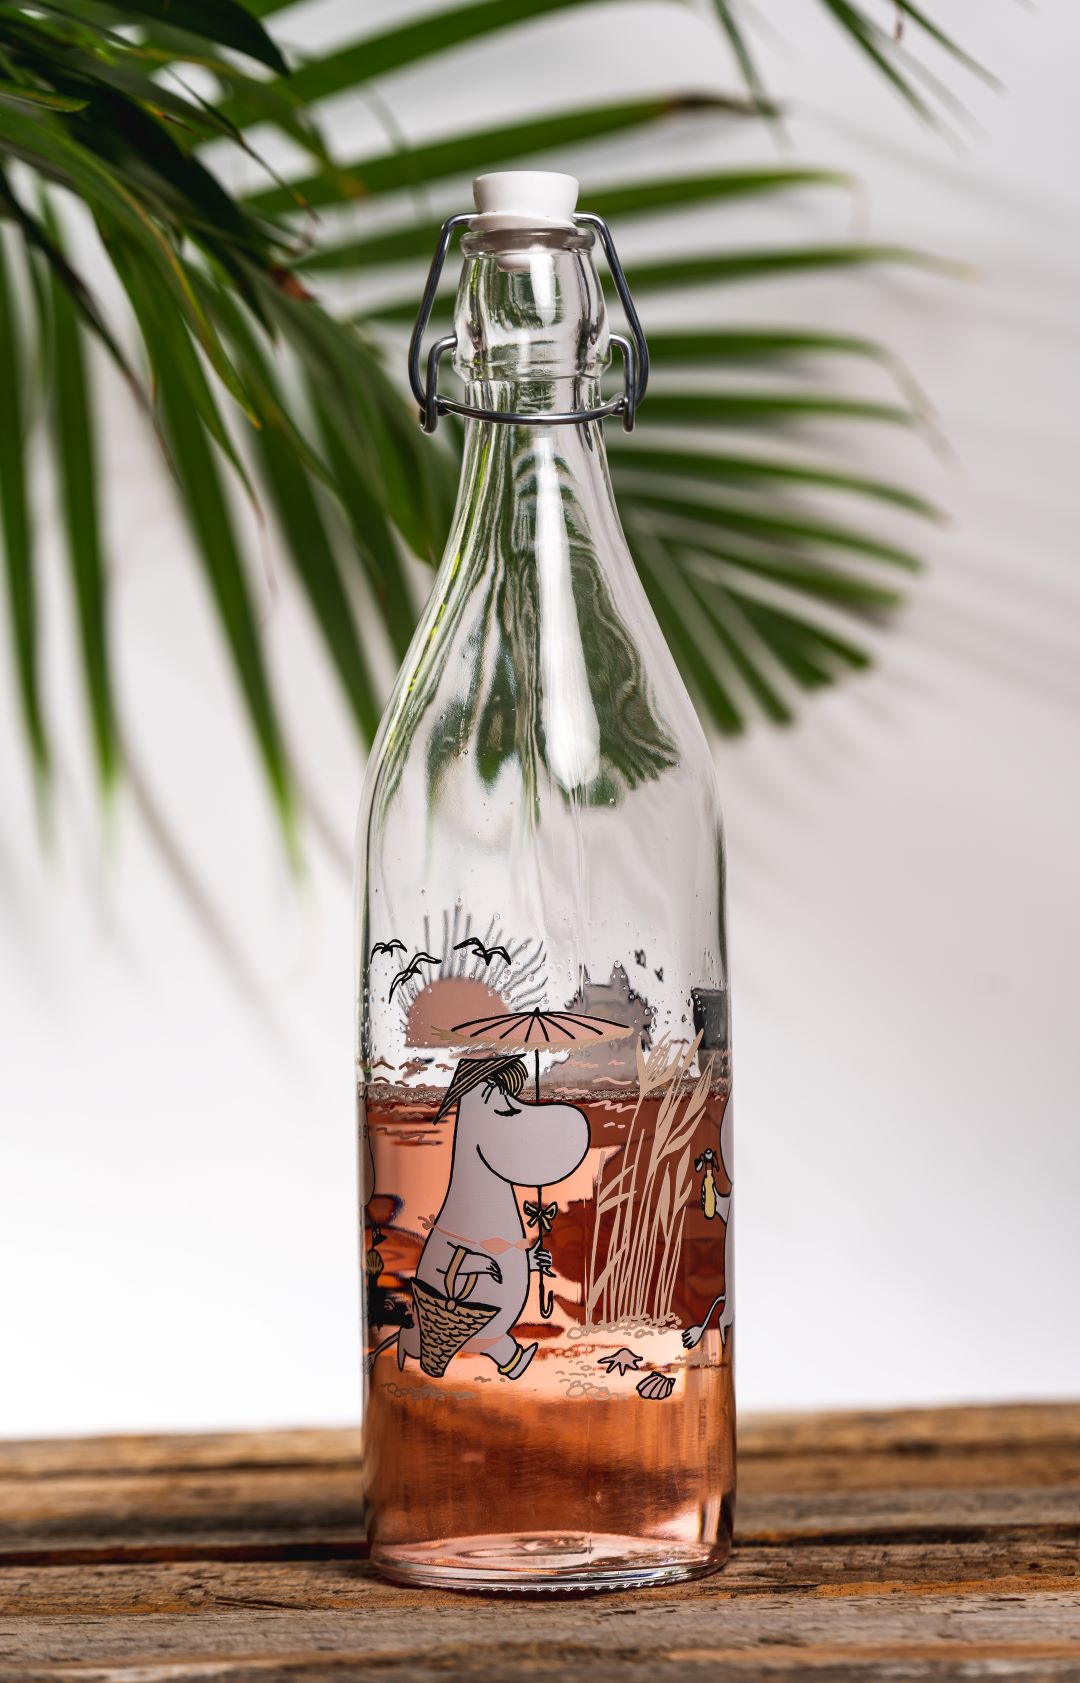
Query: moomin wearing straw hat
x=472, y=1279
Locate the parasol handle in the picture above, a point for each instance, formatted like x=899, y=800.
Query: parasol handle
x=547, y=1301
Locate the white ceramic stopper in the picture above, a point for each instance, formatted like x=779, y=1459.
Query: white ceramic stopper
x=524, y=198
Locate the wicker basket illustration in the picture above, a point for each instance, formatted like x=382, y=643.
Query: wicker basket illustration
x=446, y=1321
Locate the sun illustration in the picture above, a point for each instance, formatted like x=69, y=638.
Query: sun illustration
x=480, y=971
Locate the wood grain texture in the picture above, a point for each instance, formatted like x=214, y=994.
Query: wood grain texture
x=932, y=1544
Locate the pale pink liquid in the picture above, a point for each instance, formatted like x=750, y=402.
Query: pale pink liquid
x=566, y=1477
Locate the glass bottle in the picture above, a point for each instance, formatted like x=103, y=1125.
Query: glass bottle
x=543, y=1050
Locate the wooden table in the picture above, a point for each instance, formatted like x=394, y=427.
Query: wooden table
x=934, y=1544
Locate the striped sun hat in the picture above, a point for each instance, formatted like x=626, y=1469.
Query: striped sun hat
x=510, y=1074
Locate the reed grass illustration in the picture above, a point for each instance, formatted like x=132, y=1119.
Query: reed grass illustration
x=642, y=1195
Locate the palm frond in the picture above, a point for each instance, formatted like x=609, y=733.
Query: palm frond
x=357, y=63
x=16, y=519
x=886, y=52
x=455, y=155
x=733, y=492
x=77, y=464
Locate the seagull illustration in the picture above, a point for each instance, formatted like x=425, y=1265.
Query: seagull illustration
x=486, y=953
x=411, y=969
x=386, y=947
x=622, y=1359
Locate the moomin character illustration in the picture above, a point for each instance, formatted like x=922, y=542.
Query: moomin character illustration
x=474, y=1273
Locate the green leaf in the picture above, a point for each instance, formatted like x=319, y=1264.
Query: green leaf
x=210, y=518
x=738, y=580
x=768, y=346
x=223, y=21
x=40, y=140
x=723, y=559
x=669, y=194
x=728, y=267
x=772, y=526
x=311, y=552
x=716, y=268
x=951, y=46
x=409, y=476
x=727, y=14
x=877, y=47
x=763, y=408
x=24, y=94
x=15, y=519
x=41, y=244
x=734, y=634
x=867, y=35
x=371, y=531
x=267, y=404
x=310, y=547
x=813, y=655
x=360, y=62
x=169, y=345
x=482, y=149
x=77, y=465
x=719, y=186
x=632, y=458
x=679, y=618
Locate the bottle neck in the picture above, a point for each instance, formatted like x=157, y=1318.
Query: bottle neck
x=536, y=394
x=537, y=583
x=530, y=324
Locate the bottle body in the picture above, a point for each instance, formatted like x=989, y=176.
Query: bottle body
x=543, y=1044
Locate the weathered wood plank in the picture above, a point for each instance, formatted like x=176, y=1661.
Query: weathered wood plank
x=39, y=1458
x=857, y=1432
x=928, y=1663
x=1028, y=1559
x=938, y=1430
x=537, y=1638
x=290, y=1513
x=906, y=1546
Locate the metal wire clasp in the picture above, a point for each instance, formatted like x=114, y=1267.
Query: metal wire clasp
x=426, y=390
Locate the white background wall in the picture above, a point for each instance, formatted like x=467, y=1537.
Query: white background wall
x=177, y=1224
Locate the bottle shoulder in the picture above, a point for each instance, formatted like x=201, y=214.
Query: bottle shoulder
x=539, y=668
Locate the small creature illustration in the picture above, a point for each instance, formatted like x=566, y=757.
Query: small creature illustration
x=707, y=1161
x=411, y=969
x=386, y=947
x=639, y=956
x=693, y=1335
x=486, y=953
x=623, y=1359
x=659, y=974
x=655, y=1386
x=475, y=1271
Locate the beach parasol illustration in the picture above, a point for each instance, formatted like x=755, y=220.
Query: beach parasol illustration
x=543, y=1031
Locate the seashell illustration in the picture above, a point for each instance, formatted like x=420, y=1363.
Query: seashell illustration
x=655, y=1386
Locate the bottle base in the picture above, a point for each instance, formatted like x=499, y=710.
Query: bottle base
x=546, y=1563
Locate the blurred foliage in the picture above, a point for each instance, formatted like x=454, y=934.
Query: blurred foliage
x=251, y=381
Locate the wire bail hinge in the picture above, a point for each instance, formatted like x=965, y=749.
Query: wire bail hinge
x=425, y=389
